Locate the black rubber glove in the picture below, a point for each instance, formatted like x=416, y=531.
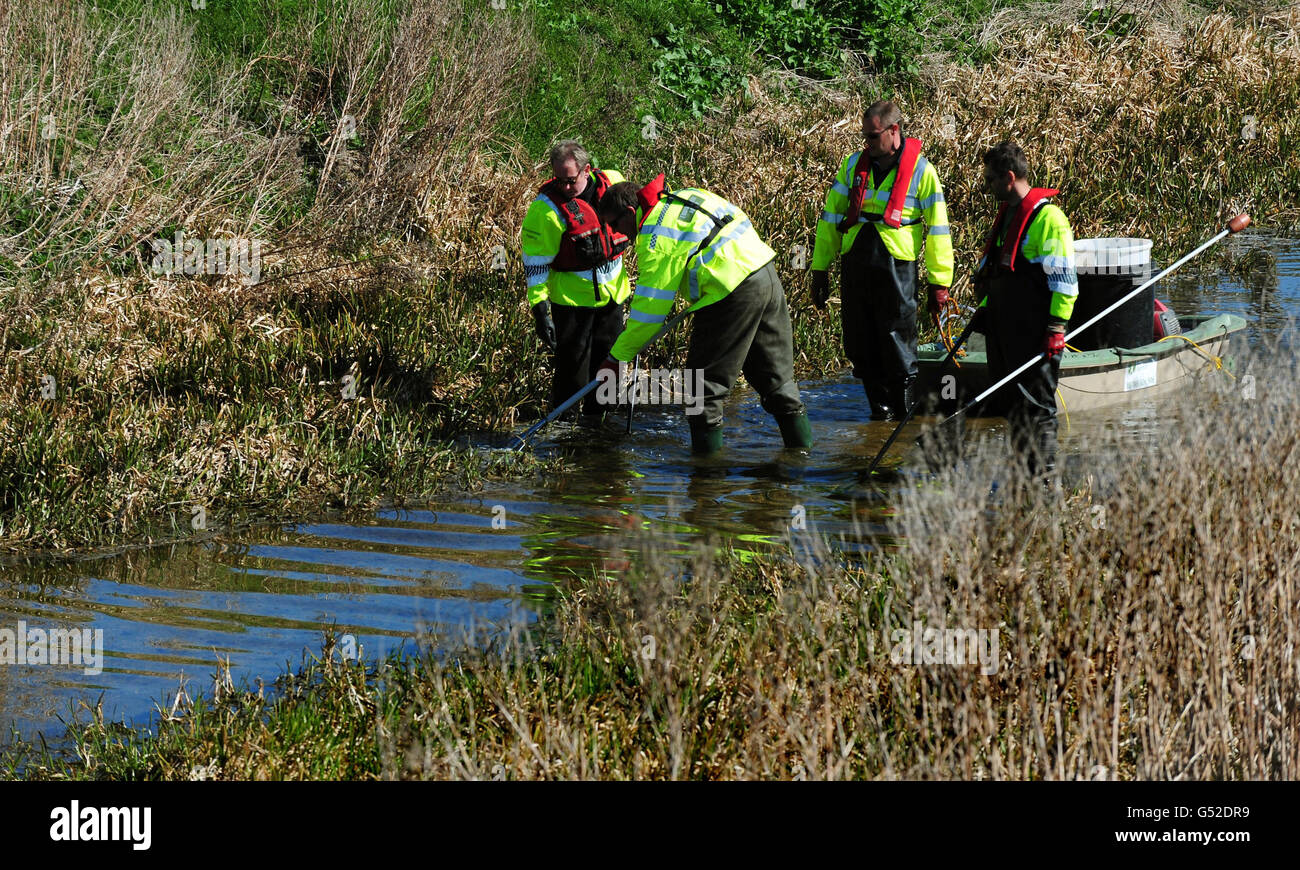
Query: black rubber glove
x=821, y=288
x=545, y=326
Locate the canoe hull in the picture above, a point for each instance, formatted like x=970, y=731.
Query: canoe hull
x=1095, y=379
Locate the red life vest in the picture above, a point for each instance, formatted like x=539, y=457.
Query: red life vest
x=587, y=244
x=1024, y=213
x=893, y=216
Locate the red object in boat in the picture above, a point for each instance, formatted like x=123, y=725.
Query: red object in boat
x=1166, y=322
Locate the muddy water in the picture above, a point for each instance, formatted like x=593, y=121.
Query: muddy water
x=480, y=565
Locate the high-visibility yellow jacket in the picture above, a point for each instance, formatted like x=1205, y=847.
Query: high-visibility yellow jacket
x=924, y=202
x=670, y=261
x=1046, y=256
x=543, y=230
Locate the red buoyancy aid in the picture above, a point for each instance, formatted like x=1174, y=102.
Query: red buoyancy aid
x=893, y=216
x=586, y=243
x=1024, y=212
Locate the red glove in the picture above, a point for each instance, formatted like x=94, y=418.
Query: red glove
x=938, y=301
x=1054, y=343
x=611, y=365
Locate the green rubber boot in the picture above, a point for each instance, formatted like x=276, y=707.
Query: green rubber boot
x=795, y=430
x=706, y=440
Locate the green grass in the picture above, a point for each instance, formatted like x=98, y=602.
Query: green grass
x=607, y=65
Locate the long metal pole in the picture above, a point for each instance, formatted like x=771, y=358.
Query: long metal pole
x=576, y=397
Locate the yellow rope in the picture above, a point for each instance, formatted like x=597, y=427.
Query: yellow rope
x=1064, y=408
x=1217, y=360
x=945, y=333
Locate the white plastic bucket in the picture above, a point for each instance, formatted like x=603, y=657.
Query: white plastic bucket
x=1111, y=256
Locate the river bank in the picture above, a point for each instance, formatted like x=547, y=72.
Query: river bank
x=1142, y=627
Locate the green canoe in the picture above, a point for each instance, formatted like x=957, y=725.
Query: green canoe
x=1096, y=378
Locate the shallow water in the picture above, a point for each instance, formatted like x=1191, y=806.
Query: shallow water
x=484, y=564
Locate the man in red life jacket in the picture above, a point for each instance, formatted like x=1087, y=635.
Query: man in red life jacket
x=893, y=189
x=1029, y=285
x=574, y=266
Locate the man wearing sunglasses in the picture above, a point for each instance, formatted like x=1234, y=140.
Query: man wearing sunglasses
x=574, y=266
x=873, y=216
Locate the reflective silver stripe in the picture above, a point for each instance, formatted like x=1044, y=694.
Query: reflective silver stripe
x=1061, y=277
x=883, y=196
x=654, y=292
x=733, y=231
x=939, y=231
x=676, y=235
x=840, y=189
x=642, y=317
x=831, y=217
x=917, y=172
x=538, y=259
x=537, y=275
x=930, y=200
x=604, y=273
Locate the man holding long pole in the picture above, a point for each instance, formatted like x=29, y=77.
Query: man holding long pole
x=1029, y=285
x=693, y=242
x=874, y=215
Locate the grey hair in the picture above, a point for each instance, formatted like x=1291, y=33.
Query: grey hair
x=569, y=148
x=885, y=110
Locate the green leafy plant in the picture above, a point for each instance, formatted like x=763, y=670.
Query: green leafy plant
x=1115, y=23
x=812, y=37
x=692, y=70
